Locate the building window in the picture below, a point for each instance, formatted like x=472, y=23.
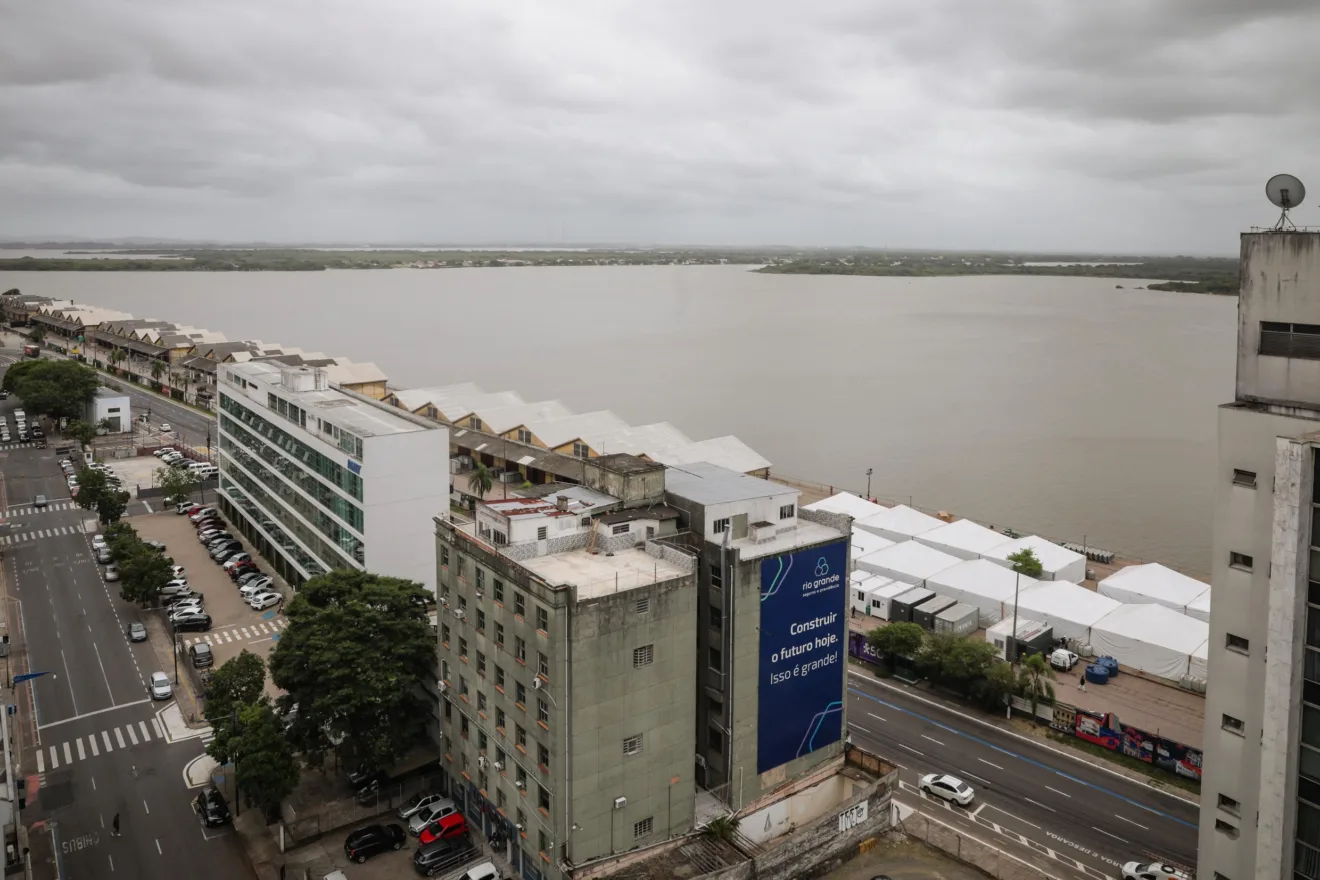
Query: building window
x=1237, y=643
x=520, y=693
x=721, y=526
x=633, y=745
x=499, y=718
x=716, y=739
x=545, y=841
x=524, y=436
x=462, y=686
x=499, y=634
x=499, y=677
x=542, y=755
x=643, y=828
x=520, y=776
x=543, y=712
x=498, y=589
x=444, y=633
x=1233, y=725
x=481, y=701
x=1226, y=828
x=1240, y=561
x=481, y=580
x=1244, y=478
x=714, y=707
x=481, y=663
x=476, y=424
x=520, y=649
x=462, y=605
x=1289, y=340
x=519, y=604
x=542, y=665
x=444, y=556
x=716, y=617
x=621, y=529
x=643, y=606
x=482, y=742
x=542, y=619
x=643, y=656
x=501, y=799
x=787, y=511
x=481, y=621
x=543, y=798
x=580, y=449
x=716, y=660
x=462, y=647
x=520, y=736
x=542, y=533
x=716, y=576
x=1229, y=805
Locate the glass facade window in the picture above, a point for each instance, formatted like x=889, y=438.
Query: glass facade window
x=331, y=470
x=268, y=510
x=274, y=542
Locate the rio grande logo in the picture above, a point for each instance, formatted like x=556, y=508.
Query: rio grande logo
x=822, y=567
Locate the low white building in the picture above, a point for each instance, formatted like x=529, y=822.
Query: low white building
x=1057, y=563
x=900, y=523
x=964, y=539
x=110, y=411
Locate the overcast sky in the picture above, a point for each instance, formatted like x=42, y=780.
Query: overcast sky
x=1131, y=125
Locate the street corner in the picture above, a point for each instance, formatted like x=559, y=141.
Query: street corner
x=42, y=851
x=201, y=771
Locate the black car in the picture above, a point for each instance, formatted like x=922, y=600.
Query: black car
x=224, y=553
x=211, y=807
x=201, y=655
x=200, y=622
x=366, y=842
x=37, y=432
x=441, y=855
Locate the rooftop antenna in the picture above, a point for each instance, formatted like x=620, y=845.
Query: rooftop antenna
x=1286, y=192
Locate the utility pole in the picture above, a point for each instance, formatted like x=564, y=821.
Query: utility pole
x=869, y=471
x=174, y=639
x=1012, y=640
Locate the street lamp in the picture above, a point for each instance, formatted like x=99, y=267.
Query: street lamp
x=174, y=639
x=869, y=471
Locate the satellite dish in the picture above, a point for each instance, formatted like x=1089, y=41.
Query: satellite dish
x=1285, y=192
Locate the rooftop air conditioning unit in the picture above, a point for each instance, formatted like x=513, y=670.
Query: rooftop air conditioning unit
x=499, y=765
x=481, y=761
x=460, y=613
x=537, y=683
x=510, y=477
x=442, y=686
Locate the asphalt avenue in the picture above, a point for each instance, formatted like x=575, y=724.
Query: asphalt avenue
x=91, y=746
x=1027, y=792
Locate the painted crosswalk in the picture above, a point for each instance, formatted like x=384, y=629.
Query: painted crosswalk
x=29, y=510
x=268, y=629
x=5, y=447
x=38, y=534
x=102, y=742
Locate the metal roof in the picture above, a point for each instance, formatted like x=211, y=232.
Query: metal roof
x=707, y=483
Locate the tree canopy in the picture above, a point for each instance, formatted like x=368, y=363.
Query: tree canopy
x=96, y=493
x=265, y=766
x=237, y=684
x=1026, y=563
x=897, y=639
x=143, y=573
x=177, y=483
x=82, y=431
x=55, y=388
x=353, y=660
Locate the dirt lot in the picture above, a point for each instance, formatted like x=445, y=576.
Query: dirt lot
x=235, y=626
x=905, y=860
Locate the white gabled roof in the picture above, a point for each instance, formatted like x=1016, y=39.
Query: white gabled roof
x=902, y=520
x=727, y=452
x=864, y=542
x=1052, y=557
x=980, y=577
x=964, y=535
x=1153, y=582
x=847, y=503
x=910, y=558
x=556, y=432
x=500, y=419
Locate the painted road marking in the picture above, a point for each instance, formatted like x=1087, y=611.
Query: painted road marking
x=1056, y=791
x=1130, y=822
x=41, y=762
x=1115, y=836
x=992, y=764
x=105, y=735
x=1039, y=804
x=858, y=727
x=909, y=748
x=82, y=754
x=875, y=716
x=120, y=737
x=91, y=744
x=977, y=778
x=68, y=754
x=131, y=734
x=932, y=739
x=146, y=735
x=54, y=758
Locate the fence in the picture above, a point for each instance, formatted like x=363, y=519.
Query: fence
x=972, y=850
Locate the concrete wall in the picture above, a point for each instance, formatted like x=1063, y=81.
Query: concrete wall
x=611, y=701
x=405, y=484
x=1280, y=282
x=645, y=487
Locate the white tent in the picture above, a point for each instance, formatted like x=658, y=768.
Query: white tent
x=847, y=503
x=908, y=562
x=861, y=586
x=864, y=543
x=1059, y=563
x=964, y=539
x=987, y=586
x=880, y=597
x=1152, y=582
x=1200, y=607
x=1070, y=609
x=900, y=523
x=1153, y=639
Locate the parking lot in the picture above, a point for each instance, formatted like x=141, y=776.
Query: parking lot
x=235, y=626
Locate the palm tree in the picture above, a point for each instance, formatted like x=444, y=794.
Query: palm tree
x=480, y=481
x=1035, y=681
x=116, y=356
x=157, y=368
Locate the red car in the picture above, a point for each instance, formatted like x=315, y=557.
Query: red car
x=453, y=825
x=242, y=568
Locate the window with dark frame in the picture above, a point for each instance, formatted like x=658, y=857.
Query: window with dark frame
x=1237, y=643
x=1240, y=561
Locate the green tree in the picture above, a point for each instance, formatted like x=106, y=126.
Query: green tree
x=353, y=659
x=993, y=690
x=116, y=357
x=265, y=766
x=82, y=431
x=480, y=481
x=59, y=389
x=96, y=493
x=143, y=573
x=177, y=483
x=1034, y=680
x=1026, y=563
x=238, y=683
x=157, y=368
x=37, y=334
x=897, y=640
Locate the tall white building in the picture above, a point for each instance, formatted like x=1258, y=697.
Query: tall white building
x=320, y=478
x=1260, y=790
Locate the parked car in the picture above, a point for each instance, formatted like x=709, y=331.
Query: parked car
x=444, y=828
x=210, y=533
x=236, y=560
x=104, y=556
x=203, y=513
x=1153, y=871
x=137, y=632
x=160, y=686
x=367, y=842
x=154, y=545
x=194, y=623
x=247, y=576
x=224, y=551
x=432, y=812
x=950, y=788
x=264, y=600
x=484, y=871
x=218, y=540
x=164, y=449
x=211, y=807
x=242, y=568
x=112, y=572
x=177, y=572
x=190, y=605
x=165, y=428
x=39, y=501
x=419, y=802
x=1062, y=659
x=255, y=587
x=175, y=604
x=201, y=655
x=98, y=542
x=187, y=508
x=442, y=855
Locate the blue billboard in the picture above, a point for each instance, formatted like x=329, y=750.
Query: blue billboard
x=804, y=629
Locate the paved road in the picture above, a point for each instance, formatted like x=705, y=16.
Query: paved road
x=91, y=745
x=1034, y=793
x=190, y=426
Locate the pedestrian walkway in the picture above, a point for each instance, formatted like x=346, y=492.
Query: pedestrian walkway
x=29, y=510
x=5, y=447
x=38, y=534
x=258, y=632
x=83, y=747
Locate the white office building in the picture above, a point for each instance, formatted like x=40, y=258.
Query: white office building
x=320, y=478
x=1260, y=790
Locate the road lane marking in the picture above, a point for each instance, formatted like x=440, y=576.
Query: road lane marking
x=131, y=734
x=82, y=754
x=109, y=691
x=1013, y=816
x=1107, y=834
x=977, y=778
x=984, y=761
x=120, y=737
x=858, y=727
x=1039, y=804
x=145, y=807
x=158, y=849
x=909, y=748
x=875, y=716
x=932, y=739
x=54, y=758
x=1056, y=791
x=146, y=735
x=1131, y=822
x=160, y=731
x=105, y=735
x=41, y=762
x=90, y=714
x=91, y=744
x=68, y=754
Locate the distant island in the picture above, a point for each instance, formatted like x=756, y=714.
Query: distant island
x=1214, y=275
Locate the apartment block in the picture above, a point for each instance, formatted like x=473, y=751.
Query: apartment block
x=1260, y=801
x=321, y=478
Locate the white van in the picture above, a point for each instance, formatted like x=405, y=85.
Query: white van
x=484, y=871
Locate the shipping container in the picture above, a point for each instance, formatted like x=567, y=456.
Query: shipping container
x=900, y=607
x=961, y=619
x=924, y=614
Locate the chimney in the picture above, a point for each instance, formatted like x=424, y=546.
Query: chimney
x=561, y=503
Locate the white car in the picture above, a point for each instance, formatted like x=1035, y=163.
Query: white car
x=950, y=788
x=98, y=542
x=264, y=600
x=1063, y=659
x=165, y=427
x=1153, y=871
x=177, y=572
x=256, y=587
x=160, y=686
